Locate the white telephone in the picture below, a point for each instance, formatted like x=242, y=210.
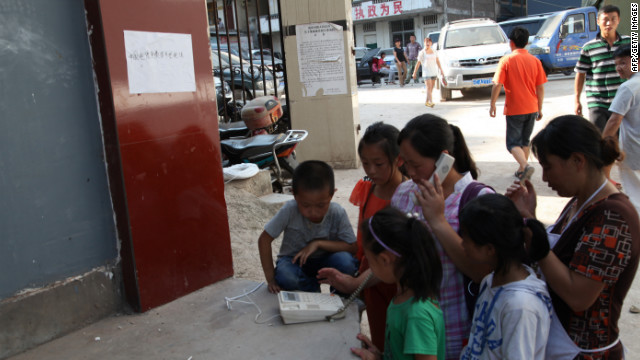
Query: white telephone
x=298, y=307
x=443, y=166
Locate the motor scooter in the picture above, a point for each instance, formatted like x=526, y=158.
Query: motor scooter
x=272, y=151
x=262, y=115
x=262, y=138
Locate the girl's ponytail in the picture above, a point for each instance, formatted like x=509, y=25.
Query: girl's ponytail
x=423, y=270
x=536, y=239
x=464, y=161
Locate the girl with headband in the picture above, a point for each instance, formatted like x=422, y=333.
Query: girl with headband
x=401, y=251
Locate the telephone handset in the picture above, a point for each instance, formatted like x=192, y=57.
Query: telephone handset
x=443, y=166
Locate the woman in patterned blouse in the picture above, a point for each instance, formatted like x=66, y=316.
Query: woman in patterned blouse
x=595, y=243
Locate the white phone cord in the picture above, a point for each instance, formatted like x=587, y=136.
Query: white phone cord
x=230, y=300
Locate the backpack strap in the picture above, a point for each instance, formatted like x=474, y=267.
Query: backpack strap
x=471, y=192
x=471, y=289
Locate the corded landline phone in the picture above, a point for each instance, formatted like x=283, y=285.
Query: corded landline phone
x=298, y=307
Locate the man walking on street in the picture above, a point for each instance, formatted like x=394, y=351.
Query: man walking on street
x=523, y=78
x=596, y=68
x=413, y=48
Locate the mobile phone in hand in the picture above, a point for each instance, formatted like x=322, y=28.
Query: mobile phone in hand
x=443, y=166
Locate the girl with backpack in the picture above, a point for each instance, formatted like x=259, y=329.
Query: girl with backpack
x=422, y=141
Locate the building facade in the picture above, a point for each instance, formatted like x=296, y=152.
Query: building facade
x=377, y=23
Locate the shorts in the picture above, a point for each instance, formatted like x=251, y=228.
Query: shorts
x=430, y=77
x=599, y=116
x=519, y=129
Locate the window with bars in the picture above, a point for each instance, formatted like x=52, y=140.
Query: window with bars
x=369, y=27
x=401, y=25
x=430, y=19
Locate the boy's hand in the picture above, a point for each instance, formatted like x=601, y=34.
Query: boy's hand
x=273, y=287
x=304, y=254
x=368, y=350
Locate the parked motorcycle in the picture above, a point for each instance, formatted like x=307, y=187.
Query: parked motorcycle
x=262, y=115
x=262, y=138
x=272, y=151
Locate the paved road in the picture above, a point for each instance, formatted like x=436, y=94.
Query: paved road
x=485, y=137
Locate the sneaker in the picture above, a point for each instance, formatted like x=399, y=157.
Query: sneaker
x=525, y=174
x=634, y=309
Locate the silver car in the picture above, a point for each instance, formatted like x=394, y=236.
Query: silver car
x=469, y=52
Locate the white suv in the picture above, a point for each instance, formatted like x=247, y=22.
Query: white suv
x=469, y=52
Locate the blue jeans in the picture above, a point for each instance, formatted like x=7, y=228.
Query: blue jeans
x=290, y=276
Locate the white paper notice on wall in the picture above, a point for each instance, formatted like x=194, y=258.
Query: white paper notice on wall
x=159, y=62
x=321, y=59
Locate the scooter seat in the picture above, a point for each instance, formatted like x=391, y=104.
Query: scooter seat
x=251, y=145
x=232, y=129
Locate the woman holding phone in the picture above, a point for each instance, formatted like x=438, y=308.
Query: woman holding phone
x=422, y=142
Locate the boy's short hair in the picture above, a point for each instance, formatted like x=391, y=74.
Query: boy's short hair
x=519, y=36
x=622, y=51
x=609, y=9
x=313, y=175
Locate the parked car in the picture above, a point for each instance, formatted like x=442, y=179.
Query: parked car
x=434, y=36
x=256, y=58
x=243, y=78
x=532, y=23
x=560, y=39
x=360, y=52
x=469, y=52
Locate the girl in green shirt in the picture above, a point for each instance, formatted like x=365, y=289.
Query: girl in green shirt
x=400, y=250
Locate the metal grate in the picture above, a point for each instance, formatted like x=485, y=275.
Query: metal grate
x=480, y=62
x=369, y=27
x=430, y=19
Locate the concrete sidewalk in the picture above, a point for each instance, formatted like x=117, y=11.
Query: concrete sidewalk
x=199, y=326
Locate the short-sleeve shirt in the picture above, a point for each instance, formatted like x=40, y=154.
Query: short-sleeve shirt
x=603, y=244
x=299, y=231
x=363, y=197
x=597, y=62
x=627, y=104
x=510, y=321
x=400, y=54
x=412, y=50
x=452, y=298
x=429, y=64
x=414, y=327
x=520, y=73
